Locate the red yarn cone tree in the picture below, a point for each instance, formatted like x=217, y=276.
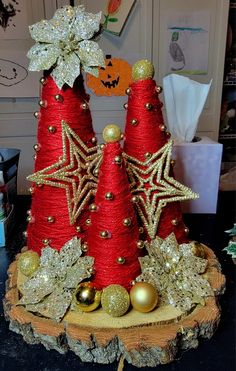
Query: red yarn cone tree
x=145, y=135
x=62, y=183
x=113, y=236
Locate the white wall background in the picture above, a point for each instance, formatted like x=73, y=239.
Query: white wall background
x=142, y=37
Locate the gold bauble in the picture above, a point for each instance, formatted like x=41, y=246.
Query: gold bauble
x=158, y=89
x=174, y=222
x=140, y=244
x=128, y=91
x=142, y=70
x=115, y=300
x=43, y=81
x=36, y=147
x=86, y=297
x=50, y=219
x=104, y=234
x=198, y=250
x=135, y=199
x=144, y=297
x=28, y=262
x=162, y=127
x=84, y=106
x=93, y=207
x=148, y=155
x=36, y=114
x=111, y=133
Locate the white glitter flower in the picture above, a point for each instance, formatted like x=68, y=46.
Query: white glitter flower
x=63, y=44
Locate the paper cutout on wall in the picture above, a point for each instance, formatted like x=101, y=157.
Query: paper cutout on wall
x=112, y=80
x=116, y=13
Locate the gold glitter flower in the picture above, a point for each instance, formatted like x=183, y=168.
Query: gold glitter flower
x=176, y=273
x=50, y=290
x=64, y=44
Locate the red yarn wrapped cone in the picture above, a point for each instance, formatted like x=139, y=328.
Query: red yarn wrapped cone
x=145, y=134
x=48, y=218
x=113, y=235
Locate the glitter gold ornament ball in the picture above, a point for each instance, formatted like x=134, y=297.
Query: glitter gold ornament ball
x=111, y=133
x=144, y=297
x=115, y=300
x=142, y=70
x=28, y=262
x=87, y=298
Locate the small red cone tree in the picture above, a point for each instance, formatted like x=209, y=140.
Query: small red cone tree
x=145, y=135
x=113, y=236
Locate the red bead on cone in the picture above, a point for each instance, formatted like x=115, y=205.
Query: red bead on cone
x=113, y=235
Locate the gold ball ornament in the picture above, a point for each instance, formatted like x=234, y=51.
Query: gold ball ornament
x=36, y=114
x=142, y=70
x=86, y=297
x=144, y=297
x=135, y=199
x=84, y=106
x=115, y=300
x=127, y=222
x=128, y=91
x=158, y=89
x=162, y=127
x=148, y=106
x=111, y=133
x=140, y=244
x=174, y=222
x=93, y=207
x=50, y=219
x=120, y=260
x=28, y=263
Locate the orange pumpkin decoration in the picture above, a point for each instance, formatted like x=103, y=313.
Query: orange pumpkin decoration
x=112, y=80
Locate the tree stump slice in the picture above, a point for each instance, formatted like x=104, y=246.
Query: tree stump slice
x=152, y=339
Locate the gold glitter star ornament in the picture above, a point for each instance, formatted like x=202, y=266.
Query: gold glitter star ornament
x=152, y=183
x=64, y=44
x=75, y=171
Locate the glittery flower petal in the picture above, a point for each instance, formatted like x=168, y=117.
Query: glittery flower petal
x=45, y=32
x=67, y=70
x=70, y=253
x=42, y=56
x=86, y=24
x=90, y=54
x=92, y=70
x=37, y=287
x=78, y=272
x=54, y=306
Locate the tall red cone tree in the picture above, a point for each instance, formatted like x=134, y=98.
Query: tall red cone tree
x=62, y=180
x=145, y=135
x=113, y=236
x=49, y=221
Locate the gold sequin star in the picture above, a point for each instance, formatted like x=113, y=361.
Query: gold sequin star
x=150, y=180
x=75, y=171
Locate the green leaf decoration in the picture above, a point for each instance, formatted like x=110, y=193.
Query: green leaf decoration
x=232, y=231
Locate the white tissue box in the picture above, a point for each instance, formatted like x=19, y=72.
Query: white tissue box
x=198, y=167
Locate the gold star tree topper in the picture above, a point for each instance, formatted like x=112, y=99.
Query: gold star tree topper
x=75, y=171
x=152, y=183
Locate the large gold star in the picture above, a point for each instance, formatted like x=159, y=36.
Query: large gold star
x=150, y=180
x=75, y=171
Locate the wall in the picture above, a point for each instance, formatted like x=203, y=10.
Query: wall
x=141, y=38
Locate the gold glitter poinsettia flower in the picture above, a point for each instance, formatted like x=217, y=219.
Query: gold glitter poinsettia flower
x=176, y=273
x=64, y=44
x=50, y=290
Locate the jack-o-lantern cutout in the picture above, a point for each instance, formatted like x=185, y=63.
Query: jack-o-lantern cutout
x=112, y=80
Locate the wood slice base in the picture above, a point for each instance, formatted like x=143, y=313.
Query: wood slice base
x=153, y=340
